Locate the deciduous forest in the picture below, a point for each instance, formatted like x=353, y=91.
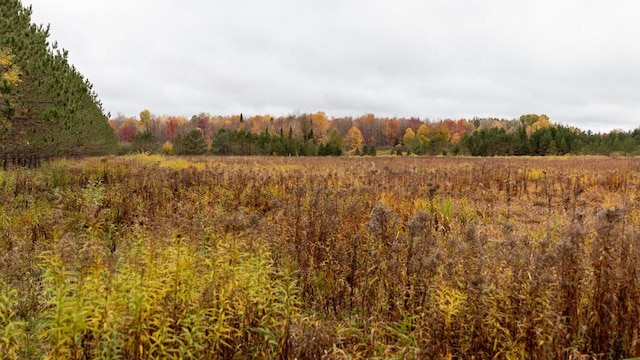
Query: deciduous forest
x=316, y=134
x=143, y=238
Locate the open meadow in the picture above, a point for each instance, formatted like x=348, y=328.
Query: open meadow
x=150, y=257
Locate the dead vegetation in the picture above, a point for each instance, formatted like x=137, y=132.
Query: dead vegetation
x=150, y=257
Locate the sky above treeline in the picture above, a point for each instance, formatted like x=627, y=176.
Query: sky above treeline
x=573, y=60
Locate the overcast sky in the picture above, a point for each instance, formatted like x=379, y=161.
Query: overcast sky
x=578, y=61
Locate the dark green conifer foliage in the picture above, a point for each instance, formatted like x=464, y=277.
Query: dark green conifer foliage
x=145, y=142
x=334, y=146
x=54, y=110
x=193, y=143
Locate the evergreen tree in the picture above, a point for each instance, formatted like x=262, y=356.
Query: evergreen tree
x=369, y=150
x=222, y=143
x=193, y=143
x=52, y=109
x=145, y=141
x=522, y=147
x=334, y=146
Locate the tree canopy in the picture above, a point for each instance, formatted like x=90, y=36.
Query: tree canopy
x=314, y=134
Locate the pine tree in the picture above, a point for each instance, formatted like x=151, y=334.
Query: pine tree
x=193, y=143
x=53, y=108
x=145, y=142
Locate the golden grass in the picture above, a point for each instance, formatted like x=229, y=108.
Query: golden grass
x=146, y=257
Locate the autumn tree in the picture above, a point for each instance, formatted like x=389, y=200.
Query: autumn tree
x=236, y=122
x=424, y=134
x=145, y=120
x=319, y=125
x=202, y=121
x=542, y=123
x=408, y=137
x=258, y=124
x=411, y=142
x=414, y=123
x=367, y=125
x=438, y=138
x=342, y=124
x=457, y=128
x=529, y=119
x=392, y=132
x=128, y=129
x=172, y=124
x=353, y=139
x=489, y=124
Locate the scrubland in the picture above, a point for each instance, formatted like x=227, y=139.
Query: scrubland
x=147, y=257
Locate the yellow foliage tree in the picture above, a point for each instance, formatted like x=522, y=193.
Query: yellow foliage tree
x=260, y=123
x=320, y=125
x=542, y=123
x=145, y=119
x=353, y=139
x=408, y=137
x=424, y=134
x=440, y=132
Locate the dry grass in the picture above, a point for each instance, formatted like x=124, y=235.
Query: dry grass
x=150, y=257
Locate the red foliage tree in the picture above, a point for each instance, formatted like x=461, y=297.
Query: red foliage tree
x=128, y=132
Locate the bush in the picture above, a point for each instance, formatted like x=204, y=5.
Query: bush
x=167, y=148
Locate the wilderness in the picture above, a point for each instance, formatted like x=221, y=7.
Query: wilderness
x=304, y=236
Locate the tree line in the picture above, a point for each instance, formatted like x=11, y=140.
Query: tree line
x=554, y=139
x=47, y=107
x=316, y=134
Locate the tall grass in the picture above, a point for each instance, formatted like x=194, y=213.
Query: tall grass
x=143, y=257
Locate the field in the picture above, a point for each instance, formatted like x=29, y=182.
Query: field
x=149, y=257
